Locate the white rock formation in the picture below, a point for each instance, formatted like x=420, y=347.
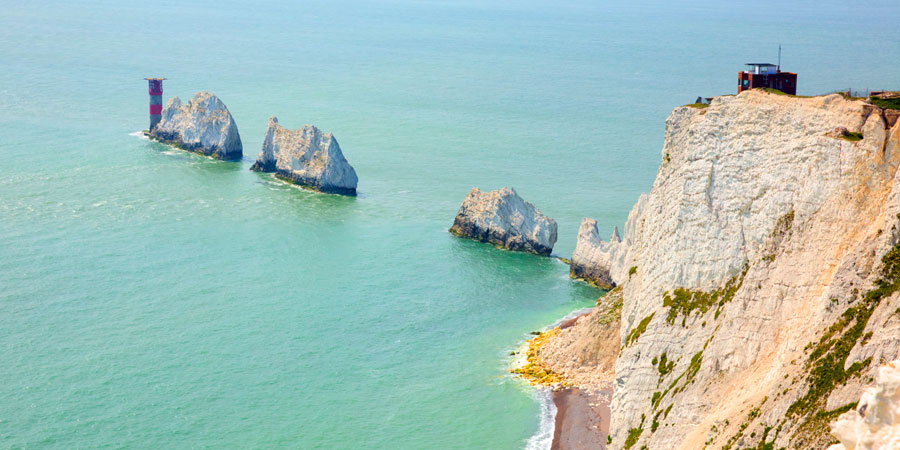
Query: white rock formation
x=875, y=422
x=307, y=157
x=204, y=126
x=593, y=258
x=504, y=219
x=761, y=231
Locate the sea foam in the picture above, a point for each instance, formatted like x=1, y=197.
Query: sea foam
x=543, y=438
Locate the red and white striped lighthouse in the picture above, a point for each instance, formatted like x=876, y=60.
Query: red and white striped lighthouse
x=155, y=101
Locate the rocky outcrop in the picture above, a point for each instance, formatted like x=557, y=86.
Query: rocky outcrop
x=203, y=125
x=592, y=259
x=603, y=263
x=504, y=219
x=583, y=351
x=764, y=265
x=307, y=157
x=874, y=423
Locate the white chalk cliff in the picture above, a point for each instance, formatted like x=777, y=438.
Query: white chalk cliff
x=307, y=157
x=503, y=218
x=874, y=423
x=763, y=265
x=203, y=125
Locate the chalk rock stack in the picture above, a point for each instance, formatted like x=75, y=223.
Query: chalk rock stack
x=592, y=258
x=307, y=157
x=504, y=219
x=203, y=125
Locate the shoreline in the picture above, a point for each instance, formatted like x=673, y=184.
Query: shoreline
x=569, y=319
x=579, y=416
x=582, y=418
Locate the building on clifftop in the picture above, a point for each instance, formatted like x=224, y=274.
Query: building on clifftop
x=765, y=75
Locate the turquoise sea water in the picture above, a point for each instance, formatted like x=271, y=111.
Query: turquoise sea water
x=151, y=298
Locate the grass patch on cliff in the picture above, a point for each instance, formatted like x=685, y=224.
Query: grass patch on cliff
x=852, y=136
x=654, y=400
x=634, y=434
x=885, y=103
x=685, y=301
x=697, y=105
x=637, y=331
x=817, y=427
x=782, y=228
x=665, y=365
x=763, y=445
x=611, y=307
x=655, y=424
x=784, y=224
x=688, y=375
x=734, y=438
x=829, y=356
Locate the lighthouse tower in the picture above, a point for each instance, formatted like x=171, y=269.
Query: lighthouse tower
x=155, y=101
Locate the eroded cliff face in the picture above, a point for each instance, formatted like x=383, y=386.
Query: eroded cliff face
x=756, y=299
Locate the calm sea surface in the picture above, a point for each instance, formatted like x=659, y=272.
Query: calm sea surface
x=151, y=298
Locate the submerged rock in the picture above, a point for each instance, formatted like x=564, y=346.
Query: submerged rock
x=307, y=157
x=503, y=218
x=204, y=126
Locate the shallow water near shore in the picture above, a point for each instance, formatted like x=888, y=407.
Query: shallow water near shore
x=154, y=298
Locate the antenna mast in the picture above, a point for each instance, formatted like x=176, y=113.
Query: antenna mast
x=779, y=58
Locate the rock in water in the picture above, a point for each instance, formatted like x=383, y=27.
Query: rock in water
x=307, y=157
x=503, y=218
x=204, y=126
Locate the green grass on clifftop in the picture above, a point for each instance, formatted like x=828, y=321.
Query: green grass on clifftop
x=777, y=92
x=886, y=103
x=773, y=91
